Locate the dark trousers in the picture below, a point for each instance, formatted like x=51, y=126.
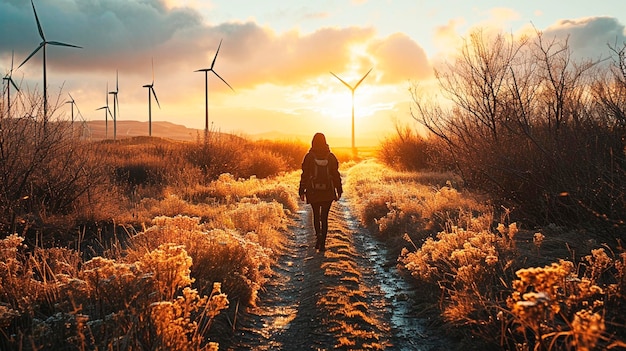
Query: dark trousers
x=320, y=222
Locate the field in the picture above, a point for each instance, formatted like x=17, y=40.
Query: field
x=170, y=251
x=502, y=235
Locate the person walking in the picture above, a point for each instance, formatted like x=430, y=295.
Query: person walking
x=320, y=185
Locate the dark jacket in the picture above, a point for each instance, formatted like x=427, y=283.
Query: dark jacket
x=308, y=170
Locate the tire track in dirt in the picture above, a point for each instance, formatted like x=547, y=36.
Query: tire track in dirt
x=346, y=298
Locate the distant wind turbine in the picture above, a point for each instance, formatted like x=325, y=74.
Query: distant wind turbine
x=73, y=103
x=107, y=110
x=43, y=44
x=9, y=79
x=206, y=90
x=352, y=89
x=115, y=104
x=151, y=90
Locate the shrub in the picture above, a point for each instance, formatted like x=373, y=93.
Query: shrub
x=219, y=255
x=466, y=266
x=405, y=151
x=261, y=164
x=290, y=152
x=103, y=303
x=548, y=308
x=398, y=202
x=560, y=307
x=220, y=154
x=556, y=157
x=47, y=176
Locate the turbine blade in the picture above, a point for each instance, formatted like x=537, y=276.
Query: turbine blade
x=108, y=110
x=12, y=57
x=13, y=83
x=368, y=72
x=78, y=110
x=218, y=76
x=106, y=93
x=117, y=104
x=117, y=83
x=346, y=84
x=38, y=24
x=58, y=43
x=153, y=71
x=70, y=95
x=155, y=97
x=217, y=52
x=32, y=53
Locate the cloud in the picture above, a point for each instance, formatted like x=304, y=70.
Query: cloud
x=502, y=15
x=447, y=38
x=112, y=32
x=588, y=37
x=124, y=35
x=400, y=59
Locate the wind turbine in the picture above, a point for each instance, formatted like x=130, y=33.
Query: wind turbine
x=151, y=90
x=115, y=104
x=43, y=44
x=9, y=79
x=73, y=103
x=352, y=89
x=206, y=90
x=107, y=110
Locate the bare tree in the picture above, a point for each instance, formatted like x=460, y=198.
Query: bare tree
x=520, y=120
x=44, y=170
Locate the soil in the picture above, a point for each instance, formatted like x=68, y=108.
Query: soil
x=350, y=297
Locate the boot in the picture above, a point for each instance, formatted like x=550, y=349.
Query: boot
x=321, y=242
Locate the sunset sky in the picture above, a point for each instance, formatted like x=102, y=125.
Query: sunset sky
x=277, y=55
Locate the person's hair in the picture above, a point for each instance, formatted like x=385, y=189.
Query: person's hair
x=319, y=141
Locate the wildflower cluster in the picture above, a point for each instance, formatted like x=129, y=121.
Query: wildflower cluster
x=464, y=264
x=139, y=299
x=560, y=304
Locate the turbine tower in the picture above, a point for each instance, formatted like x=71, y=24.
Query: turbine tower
x=115, y=105
x=352, y=89
x=71, y=101
x=107, y=110
x=206, y=91
x=151, y=90
x=43, y=44
x=9, y=79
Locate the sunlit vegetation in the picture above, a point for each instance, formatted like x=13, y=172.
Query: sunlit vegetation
x=509, y=215
x=406, y=150
x=549, y=289
x=541, y=136
x=396, y=202
x=539, y=130
x=138, y=244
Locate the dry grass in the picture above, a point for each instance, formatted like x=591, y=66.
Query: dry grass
x=512, y=288
x=205, y=222
x=161, y=290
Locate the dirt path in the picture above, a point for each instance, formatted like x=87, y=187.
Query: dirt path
x=348, y=298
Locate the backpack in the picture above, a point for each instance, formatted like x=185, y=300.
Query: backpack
x=321, y=179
